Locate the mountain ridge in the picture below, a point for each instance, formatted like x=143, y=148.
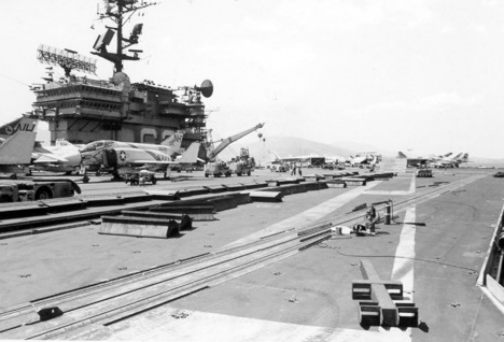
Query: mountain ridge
x=283, y=147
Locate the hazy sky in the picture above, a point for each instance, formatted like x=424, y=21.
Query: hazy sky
x=400, y=75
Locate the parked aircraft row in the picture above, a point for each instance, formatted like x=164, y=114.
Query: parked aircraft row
x=122, y=157
x=369, y=159
x=18, y=150
x=104, y=155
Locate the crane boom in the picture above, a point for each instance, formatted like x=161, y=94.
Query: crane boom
x=229, y=140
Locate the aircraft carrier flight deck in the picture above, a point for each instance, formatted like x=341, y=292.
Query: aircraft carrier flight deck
x=126, y=215
x=272, y=268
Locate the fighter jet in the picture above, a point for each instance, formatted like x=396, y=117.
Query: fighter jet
x=121, y=157
x=451, y=162
x=438, y=161
x=366, y=159
x=61, y=157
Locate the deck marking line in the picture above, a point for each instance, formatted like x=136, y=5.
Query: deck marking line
x=403, y=268
x=208, y=326
x=410, y=191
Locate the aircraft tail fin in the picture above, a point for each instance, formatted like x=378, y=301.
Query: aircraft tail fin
x=174, y=140
x=458, y=156
x=9, y=128
x=17, y=149
x=190, y=156
x=401, y=155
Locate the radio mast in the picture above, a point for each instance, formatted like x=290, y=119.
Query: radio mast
x=116, y=10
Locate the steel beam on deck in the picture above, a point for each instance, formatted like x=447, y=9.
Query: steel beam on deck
x=382, y=310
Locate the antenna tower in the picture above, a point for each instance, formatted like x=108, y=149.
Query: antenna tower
x=117, y=10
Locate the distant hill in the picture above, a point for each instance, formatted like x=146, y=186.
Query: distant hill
x=356, y=147
x=477, y=161
x=284, y=147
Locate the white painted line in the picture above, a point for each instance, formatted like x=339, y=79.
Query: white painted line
x=412, y=188
x=403, y=268
x=410, y=191
x=160, y=325
x=307, y=217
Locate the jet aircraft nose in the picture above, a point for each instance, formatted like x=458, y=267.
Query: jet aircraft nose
x=74, y=159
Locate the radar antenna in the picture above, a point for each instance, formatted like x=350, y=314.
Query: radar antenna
x=115, y=10
x=67, y=59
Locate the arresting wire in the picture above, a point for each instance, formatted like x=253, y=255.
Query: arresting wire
x=431, y=261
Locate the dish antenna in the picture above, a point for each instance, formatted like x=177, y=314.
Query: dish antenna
x=206, y=88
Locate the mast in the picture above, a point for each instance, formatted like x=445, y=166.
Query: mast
x=116, y=10
x=118, y=63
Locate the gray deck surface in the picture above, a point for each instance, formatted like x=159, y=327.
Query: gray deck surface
x=306, y=297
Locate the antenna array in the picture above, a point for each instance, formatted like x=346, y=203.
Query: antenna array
x=67, y=59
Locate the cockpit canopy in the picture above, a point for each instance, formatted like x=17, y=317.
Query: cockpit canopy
x=97, y=145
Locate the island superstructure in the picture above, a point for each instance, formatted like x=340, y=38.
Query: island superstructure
x=81, y=109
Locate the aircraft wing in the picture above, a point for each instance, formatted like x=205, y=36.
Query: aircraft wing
x=359, y=159
x=152, y=162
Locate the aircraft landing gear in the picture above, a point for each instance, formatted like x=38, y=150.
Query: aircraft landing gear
x=116, y=177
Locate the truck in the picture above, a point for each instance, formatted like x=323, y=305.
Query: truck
x=424, y=173
x=244, y=167
x=280, y=167
x=243, y=164
x=37, y=189
x=217, y=169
